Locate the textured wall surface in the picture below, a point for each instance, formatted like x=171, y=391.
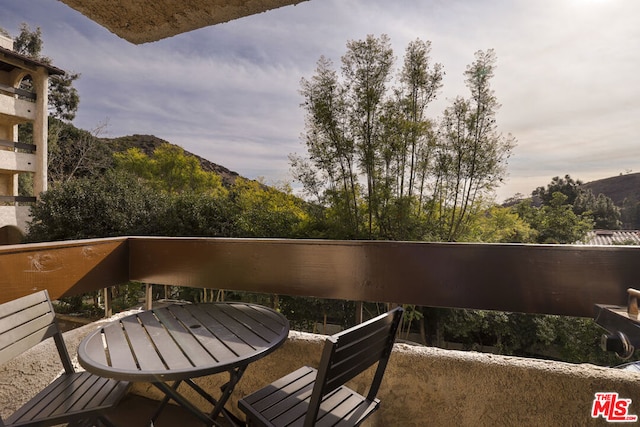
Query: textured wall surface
x=422, y=386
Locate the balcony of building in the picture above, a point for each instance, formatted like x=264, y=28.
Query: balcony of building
x=422, y=385
x=17, y=103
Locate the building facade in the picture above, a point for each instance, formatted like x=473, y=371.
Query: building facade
x=21, y=104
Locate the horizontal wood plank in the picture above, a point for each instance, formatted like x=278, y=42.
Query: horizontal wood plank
x=17, y=347
x=18, y=304
x=17, y=91
x=12, y=321
x=19, y=145
x=221, y=331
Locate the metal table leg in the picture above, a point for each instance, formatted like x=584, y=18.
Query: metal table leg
x=171, y=392
x=182, y=401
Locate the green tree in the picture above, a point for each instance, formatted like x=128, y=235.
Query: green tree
x=567, y=186
x=605, y=214
x=113, y=205
x=630, y=214
x=499, y=225
x=29, y=42
x=407, y=144
x=196, y=214
x=471, y=153
x=265, y=211
x=171, y=170
x=555, y=222
x=367, y=67
x=602, y=210
x=376, y=161
x=75, y=153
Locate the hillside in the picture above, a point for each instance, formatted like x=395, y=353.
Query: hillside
x=617, y=188
x=148, y=143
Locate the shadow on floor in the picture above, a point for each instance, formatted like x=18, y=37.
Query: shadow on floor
x=136, y=411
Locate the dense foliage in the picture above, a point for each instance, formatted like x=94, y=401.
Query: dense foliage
x=563, y=212
x=379, y=165
x=134, y=198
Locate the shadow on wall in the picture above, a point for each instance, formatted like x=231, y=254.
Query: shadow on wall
x=10, y=235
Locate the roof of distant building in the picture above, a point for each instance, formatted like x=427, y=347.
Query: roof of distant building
x=611, y=237
x=11, y=57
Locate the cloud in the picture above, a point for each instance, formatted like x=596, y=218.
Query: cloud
x=566, y=76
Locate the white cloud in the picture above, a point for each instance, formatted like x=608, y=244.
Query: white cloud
x=566, y=76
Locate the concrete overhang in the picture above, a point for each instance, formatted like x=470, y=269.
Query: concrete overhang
x=141, y=21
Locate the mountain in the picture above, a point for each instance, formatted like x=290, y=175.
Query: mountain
x=148, y=143
x=617, y=188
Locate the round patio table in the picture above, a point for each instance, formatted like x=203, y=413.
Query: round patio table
x=181, y=342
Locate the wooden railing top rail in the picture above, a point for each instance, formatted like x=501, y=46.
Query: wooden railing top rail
x=549, y=279
x=17, y=199
x=17, y=91
x=21, y=145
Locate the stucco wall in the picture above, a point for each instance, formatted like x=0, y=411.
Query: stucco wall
x=433, y=387
x=15, y=215
x=422, y=386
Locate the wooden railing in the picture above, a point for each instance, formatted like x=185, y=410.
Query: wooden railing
x=548, y=279
x=19, y=145
x=17, y=199
x=25, y=94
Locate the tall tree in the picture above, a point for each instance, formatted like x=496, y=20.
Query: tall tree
x=366, y=68
x=408, y=141
x=472, y=154
x=330, y=174
x=368, y=142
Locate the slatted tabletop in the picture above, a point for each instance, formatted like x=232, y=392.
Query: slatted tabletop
x=183, y=341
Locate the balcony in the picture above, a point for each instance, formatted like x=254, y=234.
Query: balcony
x=17, y=162
x=17, y=103
x=423, y=385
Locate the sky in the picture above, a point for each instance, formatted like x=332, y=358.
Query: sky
x=567, y=77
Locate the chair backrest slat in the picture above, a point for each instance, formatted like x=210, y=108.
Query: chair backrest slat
x=349, y=353
x=351, y=357
x=10, y=323
x=25, y=322
x=17, y=305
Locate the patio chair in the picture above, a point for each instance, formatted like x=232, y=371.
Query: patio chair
x=310, y=397
x=74, y=396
